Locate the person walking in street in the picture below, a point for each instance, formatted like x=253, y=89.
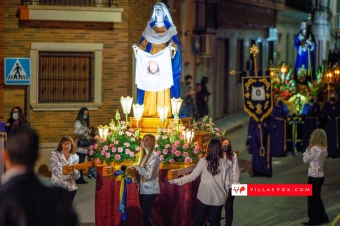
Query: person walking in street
x=330, y=115
x=148, y=181
x=213, y=190
x=234, y=177
x=24, y=198
x=315, y=155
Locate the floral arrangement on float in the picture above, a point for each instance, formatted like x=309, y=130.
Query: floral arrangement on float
x=174, y=144
x=283, y=82
x=120, y=144
x=206, y=125
x=317, y=87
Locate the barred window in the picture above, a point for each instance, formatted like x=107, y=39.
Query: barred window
x=65, y=77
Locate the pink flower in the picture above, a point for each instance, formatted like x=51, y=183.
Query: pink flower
x=101, y=140
x=132, y=154
x=161, y=158
x=91, y=152
x=114, y=150
x=165, y=151
x=174, y=146
x=187, y=160
x=177, y=142
x=127, y=144
x=127, y=151
x=137, y=148
x=158, y=153
x=207, y=125
x=102, y=152
x=217, y=134
x=167, y=146
x=181, y=136
x=122, y=122
x=107, y=155
x=185, y=154
x=116, y=142
x=111, y=145
x=120, y=149
x=91, y=147
x=95, y=146
x=165, y=130
x=105, y=148
x=98, y=161
x=96, y=137
x=177, y=153
x=171, y=160
x=121, y=133
x=164, y=137
x=185, y=146
x=216, y=129
x=117, y=157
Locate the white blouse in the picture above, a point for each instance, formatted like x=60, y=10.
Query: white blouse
x=213, y=190
x=234, y=170
x=316, y=157
x=150, y=173
x=57, y=162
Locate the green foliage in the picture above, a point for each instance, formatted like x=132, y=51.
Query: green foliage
x=121, y=144
x=172, y=147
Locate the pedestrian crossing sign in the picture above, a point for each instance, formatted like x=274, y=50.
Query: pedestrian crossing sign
x=17, y=71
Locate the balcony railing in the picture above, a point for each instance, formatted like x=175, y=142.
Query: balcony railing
x=89, y=3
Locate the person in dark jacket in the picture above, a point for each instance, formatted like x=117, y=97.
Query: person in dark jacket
x=24, y=199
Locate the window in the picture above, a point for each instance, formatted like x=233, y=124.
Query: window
x=64, y=76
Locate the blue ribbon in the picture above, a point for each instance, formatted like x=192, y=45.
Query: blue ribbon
x=122, y=192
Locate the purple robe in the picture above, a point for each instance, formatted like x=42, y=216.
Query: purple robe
x=330, y=114
x=311, y=116
x=261, y=159
x=278, y=130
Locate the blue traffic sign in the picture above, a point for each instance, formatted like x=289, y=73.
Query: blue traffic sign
x=17, y=71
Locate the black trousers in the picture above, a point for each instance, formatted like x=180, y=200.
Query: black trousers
x=229, y=209
x=201, y=211
x=316, y=209
x=146, y=203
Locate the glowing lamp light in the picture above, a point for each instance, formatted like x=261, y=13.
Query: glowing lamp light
x=163, y=113
x=138, y=112
x=188, y=135
x=126, y=105
x=176, y=105
x=103, y=131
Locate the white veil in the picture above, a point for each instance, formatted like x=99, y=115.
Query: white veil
x=167, y=15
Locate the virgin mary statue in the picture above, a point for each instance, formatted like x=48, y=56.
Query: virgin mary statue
x=160, y=33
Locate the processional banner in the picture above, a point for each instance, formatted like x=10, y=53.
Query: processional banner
x=154, y=72
x=257, y=97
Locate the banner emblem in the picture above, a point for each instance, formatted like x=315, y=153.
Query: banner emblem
x=257, y=97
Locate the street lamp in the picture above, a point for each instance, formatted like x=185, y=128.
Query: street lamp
x=126, y=105
x=138, y=112
x=328, y=77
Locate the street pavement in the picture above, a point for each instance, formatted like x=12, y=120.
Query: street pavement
x=253, y=211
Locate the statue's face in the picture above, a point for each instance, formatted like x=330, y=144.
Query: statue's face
x=159, y=11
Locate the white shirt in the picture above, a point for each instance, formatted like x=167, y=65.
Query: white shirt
x=234, y=170
x=57, y=162
x=316, y=157
x=213, y=190
x=150, y=174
